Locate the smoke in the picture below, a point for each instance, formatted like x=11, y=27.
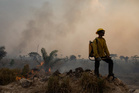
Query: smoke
x=122, y=27
x=69, y=25
x=52, y=29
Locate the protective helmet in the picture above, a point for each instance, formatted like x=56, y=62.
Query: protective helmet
x=100, y=29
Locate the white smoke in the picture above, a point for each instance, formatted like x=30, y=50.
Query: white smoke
x=69, y=25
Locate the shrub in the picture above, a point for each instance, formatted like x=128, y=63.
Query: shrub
x=92, y=84
x=17, y=72
x=53, y=85
x=65, y=86
x=25, y=70
x=87, y=83
x=6, y=76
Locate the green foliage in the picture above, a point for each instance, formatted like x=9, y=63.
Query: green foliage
x=44, y=54
x=52, y=54
x=25, y=70
x=32, y=54
x=2, y=52
x=7, y=76
x=57, y=86
x=92, y=84
x=49, y=60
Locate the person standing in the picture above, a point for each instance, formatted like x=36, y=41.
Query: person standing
x=101, y=52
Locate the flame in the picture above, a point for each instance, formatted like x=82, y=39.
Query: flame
x=18, y=78
x=42, y=63
x=49, y=69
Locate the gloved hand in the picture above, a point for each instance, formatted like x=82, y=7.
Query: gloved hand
x=98, y=59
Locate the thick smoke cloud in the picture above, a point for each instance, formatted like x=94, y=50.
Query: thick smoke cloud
x=50, y=30
x=69, y=25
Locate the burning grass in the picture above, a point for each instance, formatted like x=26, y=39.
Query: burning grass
x=10, y=75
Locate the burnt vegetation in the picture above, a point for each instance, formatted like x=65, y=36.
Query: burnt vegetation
x=67, y=74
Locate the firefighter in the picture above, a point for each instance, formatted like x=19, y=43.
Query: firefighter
x=101, y=52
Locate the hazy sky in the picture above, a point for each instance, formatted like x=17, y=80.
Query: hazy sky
x=68, y=25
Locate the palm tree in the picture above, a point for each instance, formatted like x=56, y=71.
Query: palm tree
x=49, y=60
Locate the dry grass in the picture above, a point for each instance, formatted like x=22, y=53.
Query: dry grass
x=65, y=86
x=92, y=84
x=87, y=83
x=57, y=85
x=7, y=76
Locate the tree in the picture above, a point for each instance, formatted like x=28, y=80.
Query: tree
x=113, y=55
x=126, y=58
x=135, y=57
x=79, y=56
x=35, y=56
x=49, y=60
x=121, y=57
x=72, y=57
x=2, y=52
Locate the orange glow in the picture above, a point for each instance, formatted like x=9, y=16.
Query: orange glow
x=32, y=71
x=18, y=78
x=49, y=69
x=42, y=63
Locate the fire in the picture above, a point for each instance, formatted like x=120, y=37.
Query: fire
x=42, y=63
x=18, y=78
x=49, y=69
x=32, y=72
x=48, y=72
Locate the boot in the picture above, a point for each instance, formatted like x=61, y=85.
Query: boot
x=96, y=73
x=112, y=76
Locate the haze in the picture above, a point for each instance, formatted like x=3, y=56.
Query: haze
x=68, y=25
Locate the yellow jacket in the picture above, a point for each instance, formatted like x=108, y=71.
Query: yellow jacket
x=100, y=48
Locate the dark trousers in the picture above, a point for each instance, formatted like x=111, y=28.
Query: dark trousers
x=110, y=66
